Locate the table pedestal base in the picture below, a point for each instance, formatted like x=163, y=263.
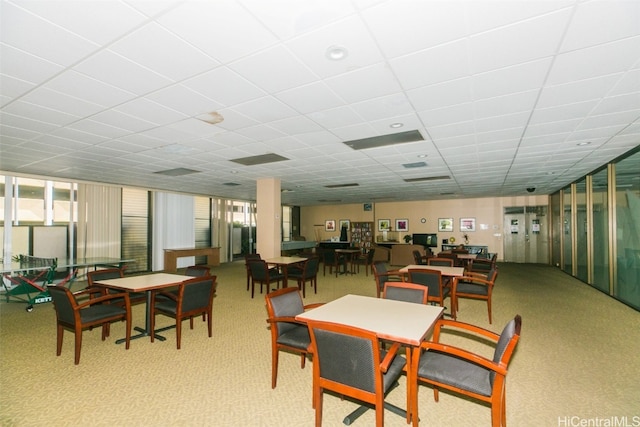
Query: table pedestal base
x=143, y=333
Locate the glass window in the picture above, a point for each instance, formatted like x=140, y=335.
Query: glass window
x=627, y=181
x=582, y=249
x=566, y=230
x=600, y=231
x=135, y=229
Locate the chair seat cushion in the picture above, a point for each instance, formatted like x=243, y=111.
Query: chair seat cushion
x=297, y=337
x=471, y=288
x=454, y=371
x=100, y=311
x=166, y=305
x=394, y=371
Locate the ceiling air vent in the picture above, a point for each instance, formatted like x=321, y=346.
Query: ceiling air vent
x=177, y=172
x=341, y=185
x=427, y=178
x=259, y=160
x=381, y=141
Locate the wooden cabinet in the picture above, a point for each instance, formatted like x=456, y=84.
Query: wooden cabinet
x=362, y=235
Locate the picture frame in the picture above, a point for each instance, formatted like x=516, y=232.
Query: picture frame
x=384, y=224
x=330, y=225
x=402, y=225
x=343, y=223
x=467, y=224
x=445, y=224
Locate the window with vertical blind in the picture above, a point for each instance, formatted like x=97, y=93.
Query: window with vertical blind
x=136, y=239
x=202, y=214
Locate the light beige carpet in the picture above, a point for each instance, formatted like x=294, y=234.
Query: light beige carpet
x=578, y=358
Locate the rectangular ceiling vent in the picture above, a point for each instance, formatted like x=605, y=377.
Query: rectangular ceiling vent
x=177, y=172
x=414, y=165
x=230, y=184
x=329, y=201
x=381, y=141
x=427, y=178
x=341, y=185
x=259, y=160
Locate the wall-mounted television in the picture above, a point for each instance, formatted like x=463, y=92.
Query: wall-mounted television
x=429, y=240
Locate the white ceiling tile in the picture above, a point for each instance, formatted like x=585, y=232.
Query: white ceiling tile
x=383, y=107
x=265, y=109
x=47, y=115
x=27, y=32
x=364, y=83
x=28, y=67
x=517, y=78
x=176, y=60
x=337, y=117
x=309, y=98
x=84, y=87
x=441, y=95
x=224, y=86
x=186, y=101
x=118, y=71
x=223, y=29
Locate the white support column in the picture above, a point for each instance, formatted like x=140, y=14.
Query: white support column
x=269, y=219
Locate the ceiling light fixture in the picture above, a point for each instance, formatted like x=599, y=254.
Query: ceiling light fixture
x=580, y=144
x=422, y=156
x=396, y=125
x=336, y=53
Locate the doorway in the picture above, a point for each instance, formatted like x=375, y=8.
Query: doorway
x=526, y=238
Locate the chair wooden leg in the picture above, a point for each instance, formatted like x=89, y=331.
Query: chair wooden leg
x=60, y=335
x=178, y=332
x=209, y=323
x=78, y=344
x=274, y=366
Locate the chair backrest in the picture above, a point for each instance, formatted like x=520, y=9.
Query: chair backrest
x=417, y=257
x=370, y=255
x=196, y=293
x=346, y=355
x=64, y=303
x=448, y=262
x=286, y=302
x=311, y=267
x=105, y=274
x=329, y=256
x=259, y=269
x=405, y=291
x=197, y=271
x=429, y=278
x=507, y=343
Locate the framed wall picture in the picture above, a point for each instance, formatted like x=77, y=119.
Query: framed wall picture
x=344, y=223
x=384, y=224
x=467, y=224
x=402, y=225
x=330, y=225
x=445, y=224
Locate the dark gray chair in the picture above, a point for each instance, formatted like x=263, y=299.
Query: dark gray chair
x=110, y=273
x=248, y=258
x=263, y=275
x=417, y=258
x=382, y=276
x=349, y=361
x=407, y=292
x=308, y=273
x=432, y=279
x=332, y=260
x=475, y=286
x=98, y=311
x=194, y=297
x=287, y=333
x=197, y=271
x=466, y=373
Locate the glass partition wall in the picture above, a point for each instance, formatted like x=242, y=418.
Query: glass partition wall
x=598, y=218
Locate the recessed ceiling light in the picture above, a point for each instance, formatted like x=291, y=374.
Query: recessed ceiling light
x=422, y=156
x=583, y=143
x=336, y=53
x=396, y=125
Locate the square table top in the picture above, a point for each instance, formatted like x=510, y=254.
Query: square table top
x=398, y=321
x=446, y=271
x=285, y=260
x=145, y=282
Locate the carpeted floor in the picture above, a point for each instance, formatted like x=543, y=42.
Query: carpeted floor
x=578, y=359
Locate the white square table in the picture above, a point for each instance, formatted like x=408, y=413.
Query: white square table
x=398, y=321
x=144, y=283
x=284, y=262
x=445, y=270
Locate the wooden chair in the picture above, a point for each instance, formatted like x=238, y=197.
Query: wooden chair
x=110, y=273
x=97, y=311
x=366, y=260
x=194, y=297
x=405, y=291
x=308, y=273
x=247, y=259
x=349, y=362
x=442, y=261
x=262, y=274
x=474, y=286
x=332, y=260
x=432, y=279
x=287, y=334
x=466, y=373
x=418, y=259
x=382, y=276
x=197, y=271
